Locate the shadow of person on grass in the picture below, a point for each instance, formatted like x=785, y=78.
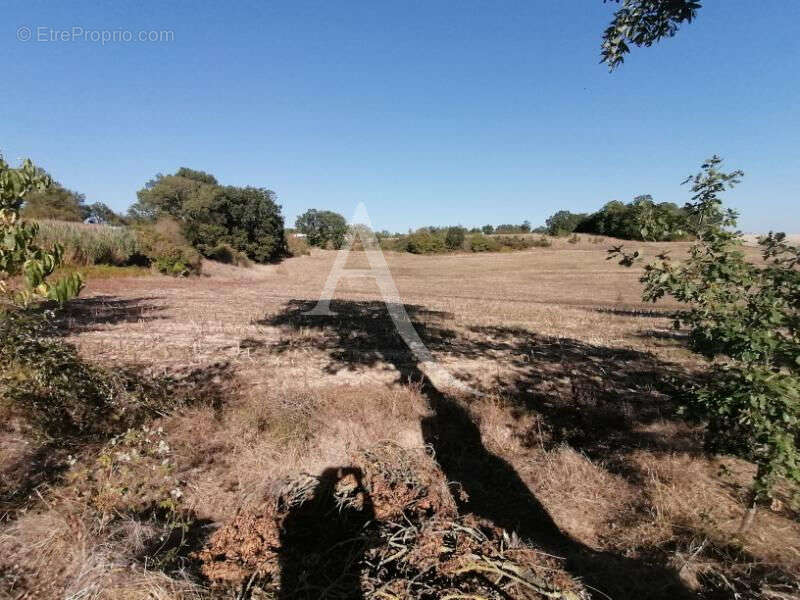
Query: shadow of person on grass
x=362, y=333
x=323, y=539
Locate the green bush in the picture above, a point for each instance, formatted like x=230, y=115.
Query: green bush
x=513, y=242
x=224, y=253
x=745, y=318
x=424, y=242
x=454, y=238
x=482, y=243
x=167, y=250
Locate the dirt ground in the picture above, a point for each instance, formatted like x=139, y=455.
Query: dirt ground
x=573, y=444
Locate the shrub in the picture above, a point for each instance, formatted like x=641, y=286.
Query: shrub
x=574, y=238
x=482, y=243
x=541, y=242
x=425, y=242
x=297, y=246
x=45, y=381
x=746, y=318
x=513, y=242
x=225, y=254
x=222, y=253
x=454, y=238
x=398, y=243
x=167, y=250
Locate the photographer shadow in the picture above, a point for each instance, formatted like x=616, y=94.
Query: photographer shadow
x=323, y=539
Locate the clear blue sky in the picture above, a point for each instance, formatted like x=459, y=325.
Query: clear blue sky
x=430, y=112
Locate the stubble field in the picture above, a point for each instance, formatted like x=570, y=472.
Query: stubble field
x=574, y=441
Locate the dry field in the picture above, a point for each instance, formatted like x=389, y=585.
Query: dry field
x=574, y=442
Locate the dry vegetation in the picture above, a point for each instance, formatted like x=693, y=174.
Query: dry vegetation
x=575, y=448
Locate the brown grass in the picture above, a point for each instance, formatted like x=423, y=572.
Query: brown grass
x=576, y=436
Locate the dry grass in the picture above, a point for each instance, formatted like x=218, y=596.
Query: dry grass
x=575, y=443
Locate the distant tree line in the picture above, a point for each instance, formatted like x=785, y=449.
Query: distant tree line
x=180, y=217
x=62, y=204
x=641, y=219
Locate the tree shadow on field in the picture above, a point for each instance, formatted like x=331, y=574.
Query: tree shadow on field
x=88, y=314
x=363, y=334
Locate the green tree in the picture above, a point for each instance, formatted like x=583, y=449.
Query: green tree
x=643, y=23
x=166, y=195
x=102, y=211
x=53, y=202
x=488, y=229
x=322, y=227
x=746, y=318
x=247, y=219
x=454, y=238
x=564, y=222
x=19, y=255
x=641, y=219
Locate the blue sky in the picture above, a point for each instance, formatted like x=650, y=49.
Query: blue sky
x=429, y=112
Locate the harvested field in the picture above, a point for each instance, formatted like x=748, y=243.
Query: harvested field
x=323, y=443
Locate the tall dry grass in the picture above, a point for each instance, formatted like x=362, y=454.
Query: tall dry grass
x=89, y=244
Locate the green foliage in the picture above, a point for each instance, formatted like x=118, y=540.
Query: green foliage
x=104, y=213
x=487, y=229
x=167, y=250
x=247, y=219
x=425, y=242
x=525, y=227
x=44, y=380
x=745, y=317
x=564, y=222
x=224, y=253
x=19, y=255
x=54, y=202
x=166, y=195
x=641, y=219
x=133, y=473
x=454, y=238
x=482, y=243
x=323, y=228
x=643, y=23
